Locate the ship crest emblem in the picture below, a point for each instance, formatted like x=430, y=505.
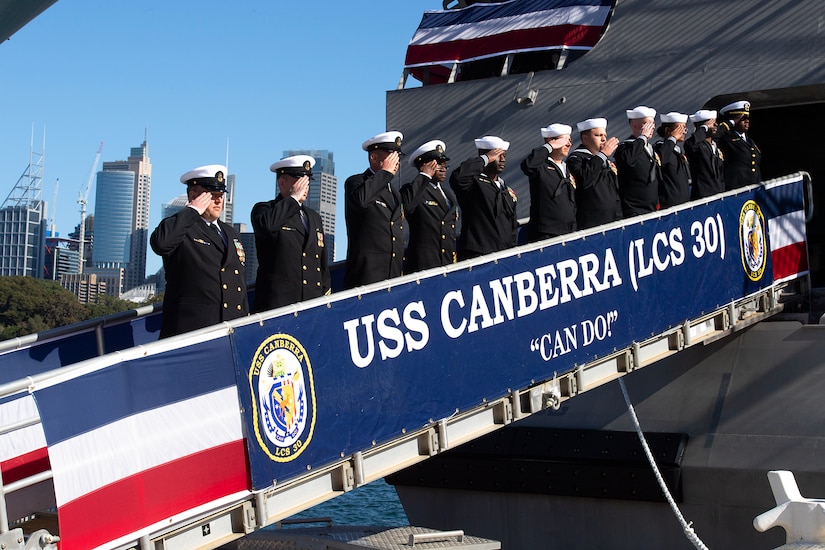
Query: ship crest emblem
x=283, y=397
x=752, y=240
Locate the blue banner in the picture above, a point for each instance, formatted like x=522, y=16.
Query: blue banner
x=341, y=377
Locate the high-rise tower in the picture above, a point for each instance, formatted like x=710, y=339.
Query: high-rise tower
x=122, y=215
x=23, y=223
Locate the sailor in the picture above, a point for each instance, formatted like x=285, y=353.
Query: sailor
x=742, y=156
x=289, y=238
x=203, y=258
x=488, y=205
x=374, y=215
x=592, y=166
x=638, y=164
x=431, y=208
x=552, y=188
x=704, y=156
x=674, y=185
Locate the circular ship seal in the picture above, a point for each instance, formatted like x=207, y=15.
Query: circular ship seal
x=283, y=397
x=752, y=240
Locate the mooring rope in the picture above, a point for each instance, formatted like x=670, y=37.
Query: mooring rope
x=686, y=527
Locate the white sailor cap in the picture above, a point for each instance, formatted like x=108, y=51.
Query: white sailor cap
x=591, y=123
x=487, y=143
x=295, y=166
x=702, y=114
x=432, y=150
x=641, y=112
x=736, y=108
x=673, y=117
x=556, y=130
x=211, y=177
x=388, y=141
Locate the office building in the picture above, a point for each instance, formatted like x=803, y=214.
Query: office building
x=23, y=224
x=122, y=216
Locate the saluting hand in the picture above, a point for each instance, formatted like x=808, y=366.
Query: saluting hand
x=678, y=132
x=201, y=202
x=390, y=162
x=299, y=189
x=609, y=146
x=494, y=154
x=429, y=168
x=648, y=129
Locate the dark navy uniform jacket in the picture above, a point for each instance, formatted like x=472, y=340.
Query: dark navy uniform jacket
x=674, y=186
x=205, y=277
x=432, y=224
x=488, y=213
x=375, y=241
x=638, y=177
x=552, y=196
x=597, y=188
x=706, y=166
x=292, y=260
x=742, y=158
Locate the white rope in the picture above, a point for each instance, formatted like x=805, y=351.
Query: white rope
x=686, y=527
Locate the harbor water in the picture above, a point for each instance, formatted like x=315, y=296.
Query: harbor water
x=373, y=504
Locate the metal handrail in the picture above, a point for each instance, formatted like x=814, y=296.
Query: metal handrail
x=96, y=324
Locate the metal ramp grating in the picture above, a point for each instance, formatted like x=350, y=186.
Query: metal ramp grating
x=361, y=538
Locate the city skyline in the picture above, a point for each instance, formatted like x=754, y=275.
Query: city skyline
x=194, y=96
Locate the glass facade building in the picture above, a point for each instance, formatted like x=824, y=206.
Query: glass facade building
x=113, y=219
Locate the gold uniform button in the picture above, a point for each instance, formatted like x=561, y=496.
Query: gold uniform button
x=304, y=254
x=317, y=284
x=443, y=237
x=305, y=281
x=393, y=239
x=236, y=272
x=225, y=305
x=443, y=251
x=442, y=222
x=239, y=307
x=318, y=269
x=223, y=269
x=317, y=256
x=239, y=289
x=392, y=223
x=304, y=267
x=224, y=286
x=393, y=254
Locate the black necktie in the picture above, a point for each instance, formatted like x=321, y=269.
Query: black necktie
x=217, y=230
x=304, y=219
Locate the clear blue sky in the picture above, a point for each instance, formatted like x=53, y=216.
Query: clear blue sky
x=266, y=75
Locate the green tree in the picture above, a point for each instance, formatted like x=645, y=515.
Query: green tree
x=29, y=305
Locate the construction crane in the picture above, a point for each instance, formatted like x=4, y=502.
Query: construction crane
x=82, y=199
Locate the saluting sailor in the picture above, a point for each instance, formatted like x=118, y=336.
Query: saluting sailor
x=432, y=210
x=593, y=167
x=552, y=188
x=488, y=205
x=375, y=215
x=638, y=164
x=289, y=238
x=674, y=185
x=203, y=258
x=704, y=156
x=742, y=156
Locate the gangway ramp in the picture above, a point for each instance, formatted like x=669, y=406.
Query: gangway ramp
x=196, y=440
